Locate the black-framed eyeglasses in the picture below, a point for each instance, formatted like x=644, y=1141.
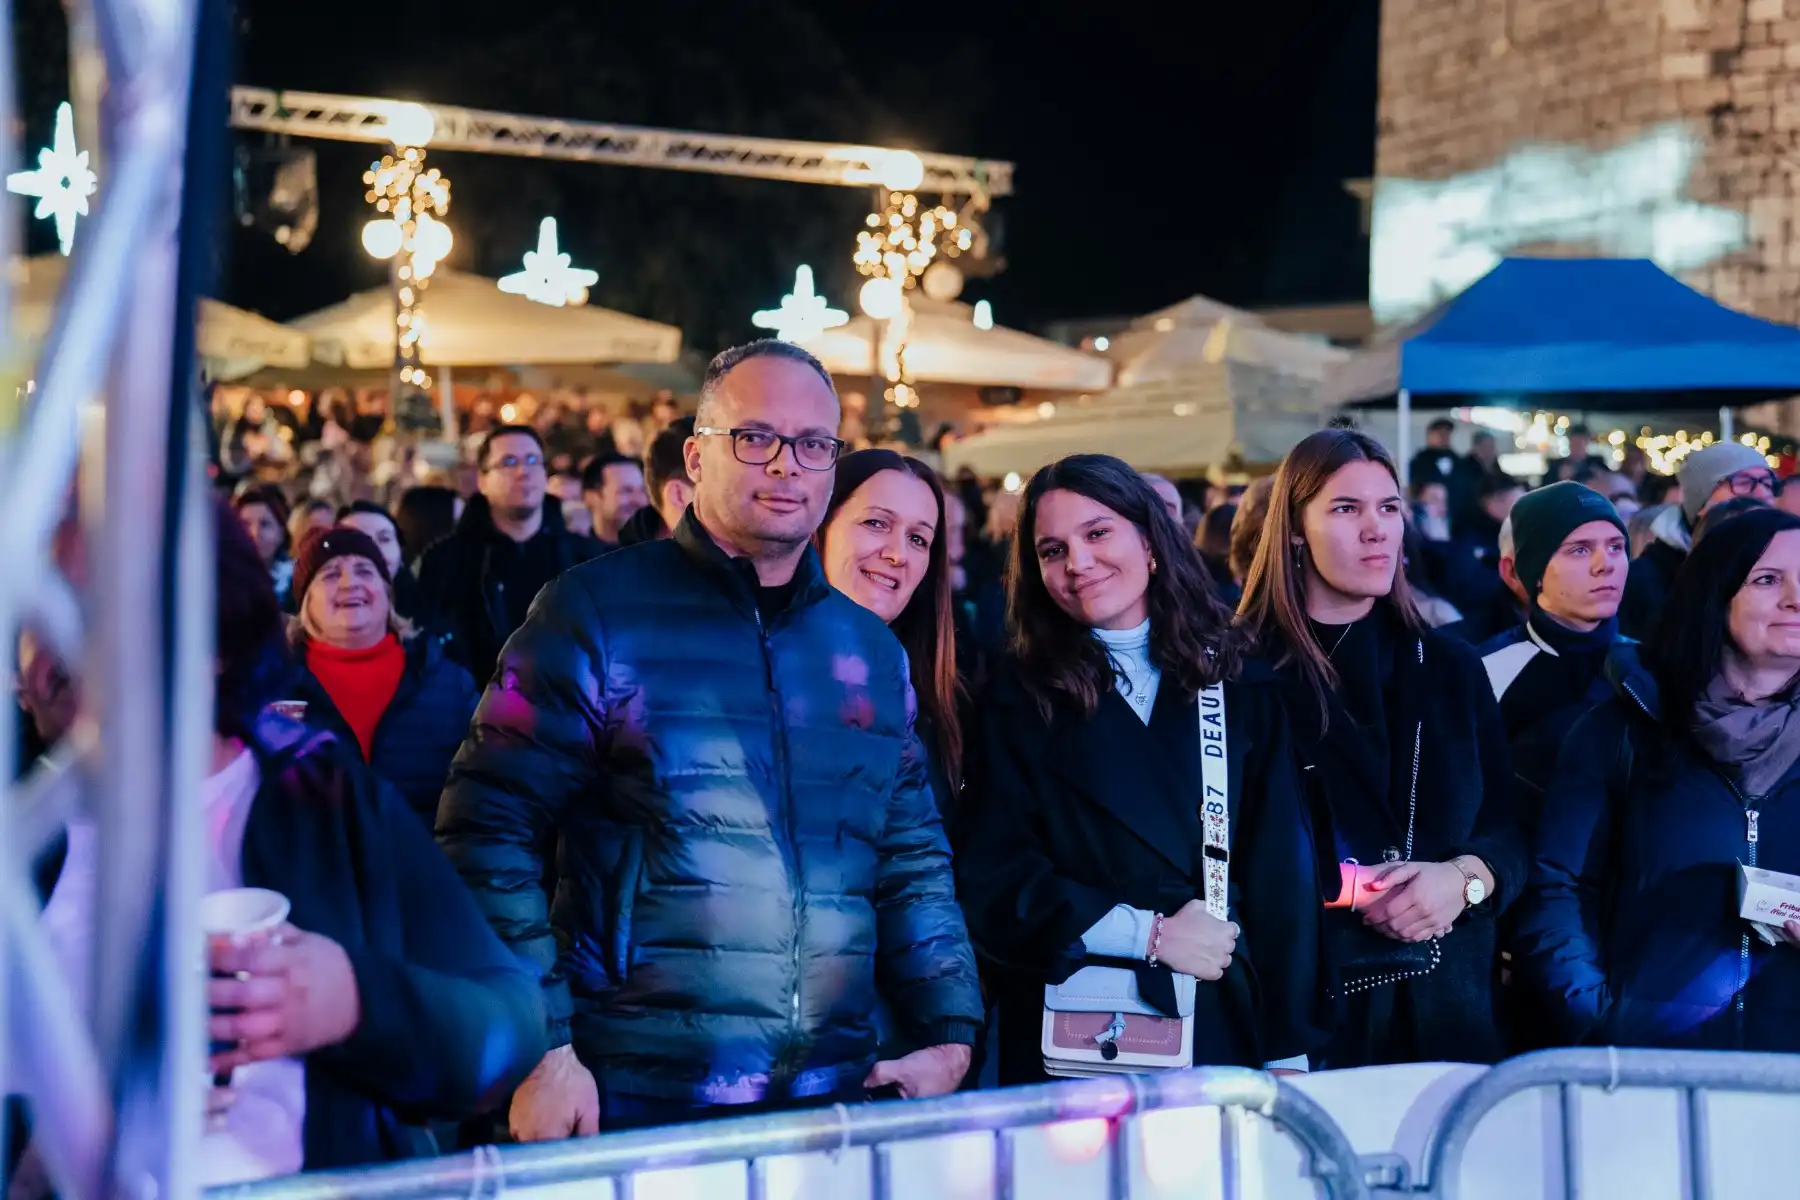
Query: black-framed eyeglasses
x=1748, y=483
x=760, y=447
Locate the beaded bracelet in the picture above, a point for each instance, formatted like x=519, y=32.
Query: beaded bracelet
x=1155, y=938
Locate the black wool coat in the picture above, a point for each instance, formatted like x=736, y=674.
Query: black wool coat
x=1440, y=714
x=1063, y=819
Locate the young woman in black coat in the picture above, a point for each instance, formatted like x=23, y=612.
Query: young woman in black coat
x=1400, y=735
x=1630, y=933
x=1081, y=836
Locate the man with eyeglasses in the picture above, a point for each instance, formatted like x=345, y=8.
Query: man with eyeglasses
x=722, y=748
x=1721, y=472
x=476, y=585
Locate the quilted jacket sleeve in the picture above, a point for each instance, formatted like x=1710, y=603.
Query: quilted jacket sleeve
x=925, y=966
x=532, y=748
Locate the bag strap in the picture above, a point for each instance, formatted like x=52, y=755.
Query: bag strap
x=1215, y=801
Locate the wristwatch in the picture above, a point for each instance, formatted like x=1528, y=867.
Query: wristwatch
x=1474, y=891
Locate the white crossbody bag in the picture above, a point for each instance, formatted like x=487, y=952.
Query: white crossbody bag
x=1095, y=1023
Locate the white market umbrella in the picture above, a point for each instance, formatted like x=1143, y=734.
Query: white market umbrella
x=234, y=341
x=946, y=347
x=470, y=322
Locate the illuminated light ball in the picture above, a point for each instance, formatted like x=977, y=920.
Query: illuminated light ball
x=433, y=238
x=1180, y=1146
x=900, y=170
x=1046, y=410
x=1012, y=482
x=578, y=297
x=509, y=413
x=880, y=298
x=942, y=281
x=382, y=237
x=984, y=315
x=410, y=125
x=1077, y=1141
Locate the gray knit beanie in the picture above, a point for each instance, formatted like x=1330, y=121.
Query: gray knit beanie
x=1701, y=471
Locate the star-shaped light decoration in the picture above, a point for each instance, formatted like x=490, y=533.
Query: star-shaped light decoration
x=803, y=314
x=548, y=278
x=62, y=182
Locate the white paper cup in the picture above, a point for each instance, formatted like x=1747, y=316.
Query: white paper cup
x=240, y=912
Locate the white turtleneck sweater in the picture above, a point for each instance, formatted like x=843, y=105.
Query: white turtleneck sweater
x=1124, y=932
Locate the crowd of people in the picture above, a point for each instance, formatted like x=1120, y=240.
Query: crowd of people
x=744, y=771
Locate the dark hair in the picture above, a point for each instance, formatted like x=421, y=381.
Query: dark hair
x=1724, y=511
x=593, y=475
x=1498, y=485
x=1191, y=635
x=424, y=516
x=1213, y=539
x=726, y=361
x=1273, y=608
x=254, y=668
x=1441, y=425
x=265, y=494
x=926, y=627
x=1247, y=525
x=666, y=459
x=500, y=431
x=1481, y=435
x=1655, y=489
x=1686, y=651
x=1580, y=429
x=371, y=508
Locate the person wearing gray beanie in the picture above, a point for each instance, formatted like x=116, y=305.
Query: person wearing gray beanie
x=1720, y=472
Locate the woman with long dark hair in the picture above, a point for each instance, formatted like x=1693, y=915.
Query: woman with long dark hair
x=883, y=544
x=1400, y=735
x=1125, y=747
x=1630, y=934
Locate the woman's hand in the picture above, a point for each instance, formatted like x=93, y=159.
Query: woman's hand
x=282, y=995
x=1415, y=901
x=1194, y=942
x=1790, y=933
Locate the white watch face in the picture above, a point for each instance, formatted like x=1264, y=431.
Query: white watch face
x=1474, y=891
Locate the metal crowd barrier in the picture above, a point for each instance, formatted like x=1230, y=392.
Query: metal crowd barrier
x=1695, y=1076
x=1109, y=1105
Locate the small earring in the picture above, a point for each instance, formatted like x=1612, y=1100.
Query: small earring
x=1153, y=564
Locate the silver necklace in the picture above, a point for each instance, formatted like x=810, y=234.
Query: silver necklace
x=1340, y=641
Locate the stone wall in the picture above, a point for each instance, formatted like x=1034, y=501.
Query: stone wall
x=1464, y=83
x=1467, y=85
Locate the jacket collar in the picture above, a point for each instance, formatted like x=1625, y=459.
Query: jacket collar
x=478, y=518
x=737, y=578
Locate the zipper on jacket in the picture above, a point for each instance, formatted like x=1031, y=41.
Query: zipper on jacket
x=783, y=1068
x=1752, y=835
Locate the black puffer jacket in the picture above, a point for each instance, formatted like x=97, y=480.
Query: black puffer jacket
x=424, y=725
x=749, y=846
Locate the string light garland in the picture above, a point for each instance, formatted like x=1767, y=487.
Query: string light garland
x=410, y=231
x=899, y=242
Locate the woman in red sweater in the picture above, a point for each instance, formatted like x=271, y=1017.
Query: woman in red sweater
x=370, y=674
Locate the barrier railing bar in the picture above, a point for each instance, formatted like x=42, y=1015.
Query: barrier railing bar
x=756, y=1187
x=881, y=1173
x=1699, y=1146
x=1231, y=1183
x=1611, y=1068
x=1118, y=1159
x=1568, y=1098
x=1332, y=1160
x=1005, y=1148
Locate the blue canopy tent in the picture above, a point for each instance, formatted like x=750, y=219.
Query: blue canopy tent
x=1595, y=332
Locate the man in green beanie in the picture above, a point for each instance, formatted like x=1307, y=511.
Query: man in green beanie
x=1570, y=555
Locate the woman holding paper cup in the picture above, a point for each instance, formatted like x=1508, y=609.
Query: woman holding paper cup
x=1400, y=737
x=357, y=991
x=1134, y=842
x=1633, y=932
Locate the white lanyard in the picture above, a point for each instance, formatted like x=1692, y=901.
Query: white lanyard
x=1215, y=803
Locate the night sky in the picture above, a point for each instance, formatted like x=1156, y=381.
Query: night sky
x=1160, y=152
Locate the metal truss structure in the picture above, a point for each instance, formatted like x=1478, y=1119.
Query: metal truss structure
x=365, y=119
x=126, y=601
